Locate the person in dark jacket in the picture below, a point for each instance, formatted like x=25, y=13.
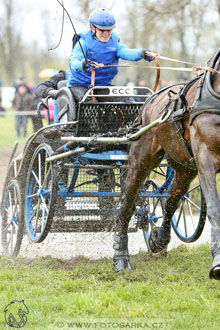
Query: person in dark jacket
x=50, y=87
x=22, y=102
x=35, y=120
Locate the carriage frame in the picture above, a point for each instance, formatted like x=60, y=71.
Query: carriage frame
x=71, y=173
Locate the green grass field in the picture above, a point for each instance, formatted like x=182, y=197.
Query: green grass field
x=172, y=292
x=167, y=293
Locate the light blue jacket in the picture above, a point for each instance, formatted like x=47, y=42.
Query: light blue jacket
x=100, y=52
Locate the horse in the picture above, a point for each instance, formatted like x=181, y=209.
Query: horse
x=195, y=107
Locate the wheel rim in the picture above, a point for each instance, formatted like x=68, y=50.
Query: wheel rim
x=12, y=220
x=189, y=219
x=40, y=194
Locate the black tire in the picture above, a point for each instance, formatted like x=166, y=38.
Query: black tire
x=41, y=190
x=12, y=219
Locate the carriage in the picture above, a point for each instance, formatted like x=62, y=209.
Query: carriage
x=71, y=173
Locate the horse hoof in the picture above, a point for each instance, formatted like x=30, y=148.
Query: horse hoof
x=162, y=253
x=121, y=264
x=157, y=244
x=215, y=270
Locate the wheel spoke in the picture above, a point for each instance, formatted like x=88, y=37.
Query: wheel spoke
x=43, y=220
x=32, y=195
x=16, y=202
x=191, y=214
x=36, y=178
x=8, y=212
x=179, y=216
x=10, y=202
x=6, y=228
x=45, y=205
x=193, y=188
x=46, y=177
x=184, y=221
x=33, y=214
x=191, y=202
x=37, y=216
x=39, y=167
x=12, y=235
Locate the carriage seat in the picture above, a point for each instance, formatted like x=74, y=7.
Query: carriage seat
x=61, y=84
x=65, y=103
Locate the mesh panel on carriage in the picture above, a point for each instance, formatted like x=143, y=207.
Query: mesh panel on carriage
x=101, y=118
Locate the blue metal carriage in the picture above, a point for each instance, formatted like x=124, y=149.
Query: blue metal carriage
x=71, y=174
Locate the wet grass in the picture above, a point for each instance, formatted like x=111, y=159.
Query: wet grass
x=172, y=292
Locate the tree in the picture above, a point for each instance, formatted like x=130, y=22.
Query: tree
x=10, y=41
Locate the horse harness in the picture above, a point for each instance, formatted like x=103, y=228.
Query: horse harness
x=206, y=100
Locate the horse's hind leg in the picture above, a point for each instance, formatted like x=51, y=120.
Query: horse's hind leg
x=160, y=236
x=140, y=160
x=208, y=166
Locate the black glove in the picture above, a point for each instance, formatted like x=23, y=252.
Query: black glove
x=146, y=57
x=53, y=93
x=85, y=66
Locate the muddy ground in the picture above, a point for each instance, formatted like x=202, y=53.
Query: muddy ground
x=91, y=245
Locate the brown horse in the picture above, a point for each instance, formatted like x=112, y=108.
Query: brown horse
x=198, y=153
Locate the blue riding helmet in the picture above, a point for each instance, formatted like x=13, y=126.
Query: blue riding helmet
x=102, y=19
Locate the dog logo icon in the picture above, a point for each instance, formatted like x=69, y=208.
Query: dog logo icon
x=15, y=314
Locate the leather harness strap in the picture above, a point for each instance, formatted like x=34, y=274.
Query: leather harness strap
x=158, y=75
x=96, y=66
x=92, y=83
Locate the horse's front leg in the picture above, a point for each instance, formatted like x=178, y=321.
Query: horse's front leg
x=160, y=236
x=139, y=165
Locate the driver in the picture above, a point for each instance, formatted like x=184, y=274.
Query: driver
x=102, y=45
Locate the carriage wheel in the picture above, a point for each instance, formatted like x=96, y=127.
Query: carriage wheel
x=150, y=209
x=189, y=219
x=41, y=189
x=12, y=224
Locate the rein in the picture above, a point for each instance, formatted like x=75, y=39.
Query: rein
x=100, y=65
x=195, y=68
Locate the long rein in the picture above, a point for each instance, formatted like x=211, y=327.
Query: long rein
x=195, y=68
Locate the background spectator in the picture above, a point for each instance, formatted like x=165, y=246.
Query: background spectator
x=22, y=102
